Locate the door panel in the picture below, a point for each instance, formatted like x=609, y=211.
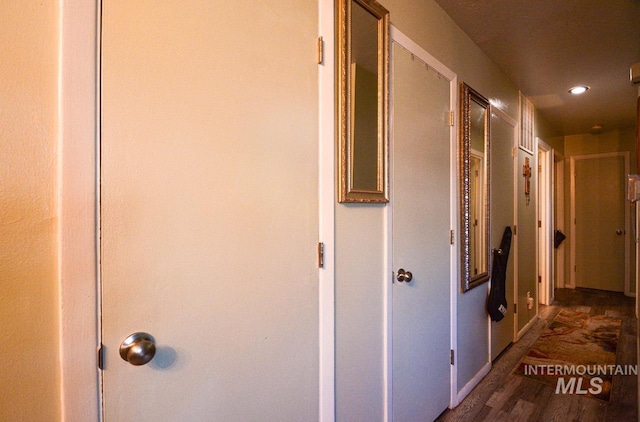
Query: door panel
x=420, y=240
x=209, y=209
x=600, y=223
x=503, y=133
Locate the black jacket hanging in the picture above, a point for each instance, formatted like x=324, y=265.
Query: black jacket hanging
x=497, y=301
x=558, y=239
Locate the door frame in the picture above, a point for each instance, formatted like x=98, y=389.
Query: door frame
x=326, y=203
x=559, y=218
x=77, y=138
x=627, y=218
x=78, y=170
x=544, y=212
x=404, y=41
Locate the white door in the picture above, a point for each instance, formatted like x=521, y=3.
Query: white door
x=209, y=209
x=421, y=221
x=504, y=134
x=599, y=221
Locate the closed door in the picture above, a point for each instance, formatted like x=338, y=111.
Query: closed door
x=209, y=210
x=599, y=222
x=503, y=139
x=420, y=240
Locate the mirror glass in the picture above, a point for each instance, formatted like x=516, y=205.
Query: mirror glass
x=474, y=187
x=363, y=35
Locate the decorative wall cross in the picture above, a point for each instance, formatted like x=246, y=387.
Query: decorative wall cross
x=526, y=172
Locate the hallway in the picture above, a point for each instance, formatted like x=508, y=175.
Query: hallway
x=503, y=396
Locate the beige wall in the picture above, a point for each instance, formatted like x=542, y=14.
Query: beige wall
x=29, y=348
x=526, y=235
x=548, y=134
x=611, y=141
x=28, y=222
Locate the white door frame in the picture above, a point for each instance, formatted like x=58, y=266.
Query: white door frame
x=404, y=41
x=627, y=219
x=544, y=212
x=78, y=204
x=559, y=222
x=78, y=101
x=327, y=192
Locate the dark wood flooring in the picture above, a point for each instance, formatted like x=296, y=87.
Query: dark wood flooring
x=503, y=396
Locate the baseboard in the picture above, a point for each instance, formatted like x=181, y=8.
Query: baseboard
x=524, y=330
x=473, y=382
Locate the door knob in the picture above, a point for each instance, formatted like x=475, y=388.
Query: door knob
x=138, y=348
x=619, y=232
x=404, y=276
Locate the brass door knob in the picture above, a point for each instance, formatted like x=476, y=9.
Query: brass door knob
x=138, y=349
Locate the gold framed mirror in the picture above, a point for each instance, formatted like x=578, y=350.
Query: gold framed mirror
x=475, y=171
x=363, y=100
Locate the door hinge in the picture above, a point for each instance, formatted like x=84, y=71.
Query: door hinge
x=453, y=355
x=514, y=152
x=452, y=237
x=100, y=356
x=320, y=255
x=515, y=308
x=451, y=118
x=539, y=279
x=320, y=50
x=539, y=223
x=515, y=229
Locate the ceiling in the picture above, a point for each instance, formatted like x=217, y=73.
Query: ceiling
x=548, y=46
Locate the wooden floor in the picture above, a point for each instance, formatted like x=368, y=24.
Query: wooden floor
x=503, y=396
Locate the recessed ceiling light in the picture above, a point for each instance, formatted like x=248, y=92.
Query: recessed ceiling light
x=579, y=89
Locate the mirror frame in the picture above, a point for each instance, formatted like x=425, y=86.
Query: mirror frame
x=467, y=96
x=346, y=190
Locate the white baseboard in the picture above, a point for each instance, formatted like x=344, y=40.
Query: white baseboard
x=473, y=382
x=526, y=327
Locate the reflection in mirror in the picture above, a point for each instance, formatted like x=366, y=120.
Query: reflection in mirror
x=363, y=35
x=474, y=187
x=364, y=133
x=476, y=199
